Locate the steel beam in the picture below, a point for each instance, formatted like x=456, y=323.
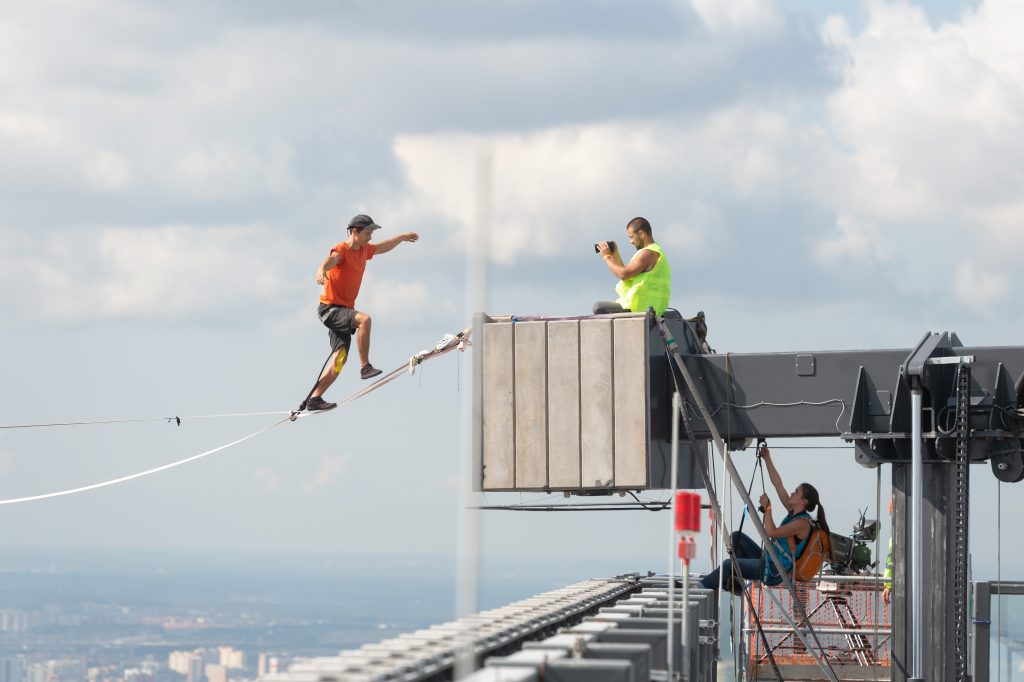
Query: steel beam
x=913, y=373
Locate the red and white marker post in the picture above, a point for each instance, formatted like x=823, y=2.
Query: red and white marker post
x=687, y=525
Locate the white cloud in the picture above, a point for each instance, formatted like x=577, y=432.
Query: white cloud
x=329, y=471
x=266, y=480
x=854, y=240
x=564, y=185
x=218, y=170
x=1003, y=221
x=744, y=18
x=7, y=462
x=28, y=128
x=983, y=291
x=397, y=300
x=699, y=230
x=933, y=116
x=110, y=171
x=920, y=145
x=931, y=120
x=170, y=273
x=172, y=118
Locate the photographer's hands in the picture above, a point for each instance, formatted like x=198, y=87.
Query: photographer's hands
x=608, y=250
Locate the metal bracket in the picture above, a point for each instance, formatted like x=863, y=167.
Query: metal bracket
x=951, y=360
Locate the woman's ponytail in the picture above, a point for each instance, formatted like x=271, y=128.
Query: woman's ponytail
x=810, y=494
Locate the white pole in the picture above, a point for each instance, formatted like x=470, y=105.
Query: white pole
x=916, y=538
x=672, y=537
x=685, y=663
x=467, y=571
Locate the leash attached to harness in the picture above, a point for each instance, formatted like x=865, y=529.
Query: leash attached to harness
x=759, y=465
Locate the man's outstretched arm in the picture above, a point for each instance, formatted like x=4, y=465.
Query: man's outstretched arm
x=388, y=244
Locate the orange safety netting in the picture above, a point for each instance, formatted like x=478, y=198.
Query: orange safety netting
x=849, y=617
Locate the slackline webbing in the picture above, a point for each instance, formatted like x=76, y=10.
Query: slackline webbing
x=447, y=344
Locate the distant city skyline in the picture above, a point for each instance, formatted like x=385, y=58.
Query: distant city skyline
x=134, y=617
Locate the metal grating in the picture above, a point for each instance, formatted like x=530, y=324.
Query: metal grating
x=430, y=654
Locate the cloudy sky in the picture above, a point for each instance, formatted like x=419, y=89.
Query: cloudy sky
x=171, y=175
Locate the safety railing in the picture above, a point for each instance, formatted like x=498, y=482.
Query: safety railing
x=1004, y=633
x=847, y=613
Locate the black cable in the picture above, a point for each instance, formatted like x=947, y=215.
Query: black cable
x=626, y=506
x=316, y=383
x=664, y=505
x=812, y=447
x=751, y=487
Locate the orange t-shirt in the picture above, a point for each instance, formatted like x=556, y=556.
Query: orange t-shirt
x=344, y=279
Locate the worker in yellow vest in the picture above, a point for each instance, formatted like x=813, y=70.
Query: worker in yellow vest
x=646, y=282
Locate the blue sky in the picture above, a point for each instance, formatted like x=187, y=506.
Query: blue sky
x=171, y=177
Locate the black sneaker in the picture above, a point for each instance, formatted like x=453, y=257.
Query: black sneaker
x=368, y=371
x=318, y=404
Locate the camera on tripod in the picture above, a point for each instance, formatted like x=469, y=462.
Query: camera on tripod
x=851, y=554
x=611, y=247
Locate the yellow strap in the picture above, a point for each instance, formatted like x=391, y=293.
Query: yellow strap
x=340, y=362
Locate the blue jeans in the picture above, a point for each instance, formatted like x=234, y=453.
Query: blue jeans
x=749, y=564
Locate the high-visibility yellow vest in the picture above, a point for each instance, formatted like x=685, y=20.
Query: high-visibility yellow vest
x=651, y=288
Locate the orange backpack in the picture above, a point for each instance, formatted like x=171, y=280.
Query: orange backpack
x=817, y=550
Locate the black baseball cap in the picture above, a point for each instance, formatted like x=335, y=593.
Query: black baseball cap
x=363, y=222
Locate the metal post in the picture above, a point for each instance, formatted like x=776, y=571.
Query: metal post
x=916, y=539
x=468, y=542
x=982, y=630
x=684, y=665
x=672, y=544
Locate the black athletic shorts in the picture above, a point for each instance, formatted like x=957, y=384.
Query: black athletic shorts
x=340, y=322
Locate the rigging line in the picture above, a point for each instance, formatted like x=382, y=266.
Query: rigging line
x=175, y=418
x=461, y=340
x=85, y=423
x=810, y=447
x=456, y=342
x=622, y=506
x=147, y=472
x=764, y=403
x=414, y=361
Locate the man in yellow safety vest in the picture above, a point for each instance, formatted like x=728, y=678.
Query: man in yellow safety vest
x=646, y=281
